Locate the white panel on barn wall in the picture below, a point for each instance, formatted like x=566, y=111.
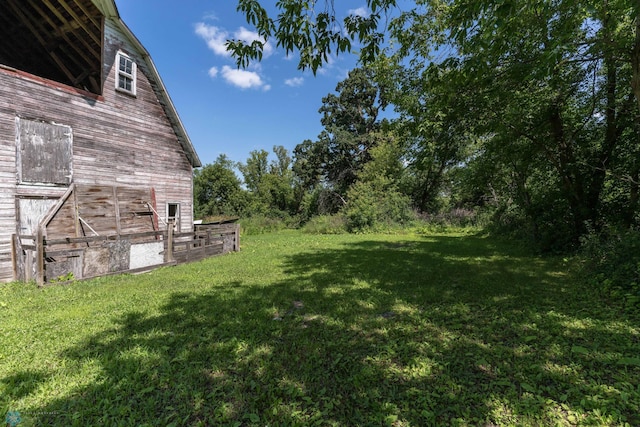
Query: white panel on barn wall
x=146, y=254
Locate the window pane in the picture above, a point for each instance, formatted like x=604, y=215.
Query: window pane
x=125, y=82
x=126, y=65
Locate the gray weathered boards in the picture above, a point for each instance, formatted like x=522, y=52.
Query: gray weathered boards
x=82, y=104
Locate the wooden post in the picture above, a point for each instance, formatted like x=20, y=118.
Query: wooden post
x=14, y=255
x=116, y=206
x=39, y=257
x=236, y=245
x=76, y=213
x=154, y=207
x=169, y=257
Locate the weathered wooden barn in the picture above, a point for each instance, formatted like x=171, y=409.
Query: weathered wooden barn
x=95, y=164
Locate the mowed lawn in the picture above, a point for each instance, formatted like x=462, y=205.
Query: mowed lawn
x=424, y=330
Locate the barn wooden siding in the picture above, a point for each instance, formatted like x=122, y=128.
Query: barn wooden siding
x=119, y=141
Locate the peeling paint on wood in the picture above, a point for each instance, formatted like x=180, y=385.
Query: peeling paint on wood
x=45, y=152
x=52, y=138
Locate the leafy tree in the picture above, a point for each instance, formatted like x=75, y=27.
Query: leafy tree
x=376, y=198
x=356, y=105
x=431, y=27
x=280, y=181
x=434, y=123
x=282, y=165
x=307, y=164
x=312, y=29
x=376, y=204
x=545, y=88
x=217, y=189
x=270, y=184
x=387, y=159
x=350, y=118
x=255, y=169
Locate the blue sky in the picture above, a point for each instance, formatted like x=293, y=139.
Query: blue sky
x=226, y=110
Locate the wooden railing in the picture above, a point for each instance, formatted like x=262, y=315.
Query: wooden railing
x=64, y=259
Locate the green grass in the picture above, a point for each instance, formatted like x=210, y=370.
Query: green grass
x=298, y=329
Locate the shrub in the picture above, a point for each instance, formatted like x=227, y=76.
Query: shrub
x=612, y=261
x=326, y=224
x=374, y=205
x=260, y=224
x=361, y=211
x=547, y=228
x=456, y=217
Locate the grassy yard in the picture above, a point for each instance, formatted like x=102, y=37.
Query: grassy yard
x=420, y=330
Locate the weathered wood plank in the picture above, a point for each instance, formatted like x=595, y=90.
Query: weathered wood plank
x=118, y=141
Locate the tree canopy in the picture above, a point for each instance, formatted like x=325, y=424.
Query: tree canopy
x=312, y=29
x=217, y=189
x=528, y=109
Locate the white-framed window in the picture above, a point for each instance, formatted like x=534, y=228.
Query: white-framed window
x=173, y=214
x=126, y=73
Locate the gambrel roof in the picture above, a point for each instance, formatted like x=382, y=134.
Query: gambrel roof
x=62, y=40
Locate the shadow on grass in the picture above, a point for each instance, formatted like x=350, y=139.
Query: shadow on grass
x=425, y=331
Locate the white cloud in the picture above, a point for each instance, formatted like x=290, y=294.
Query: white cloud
x=294, y=82
x=211, y=16
x=216, y=38
x=249, y=36
x=242, y=78
x=361, y=11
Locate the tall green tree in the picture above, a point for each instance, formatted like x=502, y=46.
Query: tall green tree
x=255, y=169
x=376, y=198
x=350, y=118
x=269, y=184
x=546, y=87
x=281, y=184
x=434, y=123
x=307, y=164
x=217, y=190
